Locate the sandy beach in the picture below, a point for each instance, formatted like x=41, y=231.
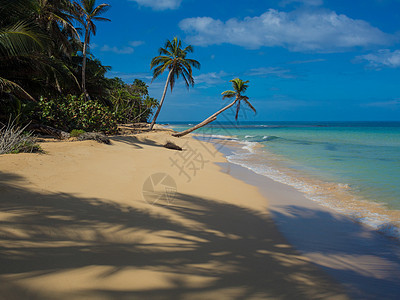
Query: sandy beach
x=82, y=222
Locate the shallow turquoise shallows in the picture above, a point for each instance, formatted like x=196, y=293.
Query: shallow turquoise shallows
x=364, y=156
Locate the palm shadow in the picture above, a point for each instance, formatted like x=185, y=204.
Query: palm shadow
x=236, y=249
x=367, y=262
x=134, y=141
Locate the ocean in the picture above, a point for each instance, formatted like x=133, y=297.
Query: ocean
x=352, y=167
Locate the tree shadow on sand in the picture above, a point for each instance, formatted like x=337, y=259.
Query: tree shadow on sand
x=235, y=250
x=367, y=262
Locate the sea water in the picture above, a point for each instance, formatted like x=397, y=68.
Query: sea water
x=352, y=167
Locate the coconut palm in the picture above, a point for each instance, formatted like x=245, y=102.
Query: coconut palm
x=86, y=13
x=239, y=87
x=16, y=40
x=173, y=58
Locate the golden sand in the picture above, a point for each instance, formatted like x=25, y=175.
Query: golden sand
x=134, y=220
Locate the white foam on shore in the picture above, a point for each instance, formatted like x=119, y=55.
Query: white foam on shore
x=250, y=146
x=217, y=136
x=323, y=193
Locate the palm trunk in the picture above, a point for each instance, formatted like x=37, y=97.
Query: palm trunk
x=161, y=102
x=84, y=63
x=205, y=122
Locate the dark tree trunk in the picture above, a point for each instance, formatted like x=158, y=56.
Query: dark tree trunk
x=161, y=102
x=57, y=133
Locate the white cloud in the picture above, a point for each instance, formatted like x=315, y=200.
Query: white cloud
x=317, y=31
x=383, y=58
x=385, y=104
x=296, y=62
x=159, y=4
x=130, y=76
x=136, y=43
x=305, y=2
x=271, y=71
x=124, y=50
x=211, y=78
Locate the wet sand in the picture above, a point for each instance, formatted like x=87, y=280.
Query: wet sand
x=364, y=261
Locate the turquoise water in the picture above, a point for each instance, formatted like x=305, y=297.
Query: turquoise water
x=362, y=157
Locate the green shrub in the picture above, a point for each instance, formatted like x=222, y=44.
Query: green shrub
x=77, y=132
x=76, y=113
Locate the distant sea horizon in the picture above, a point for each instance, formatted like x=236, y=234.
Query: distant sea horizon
x=351, y=166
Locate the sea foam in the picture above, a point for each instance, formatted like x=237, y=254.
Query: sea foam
x=337, y=196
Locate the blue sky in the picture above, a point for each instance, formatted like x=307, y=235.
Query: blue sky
x=307, y=60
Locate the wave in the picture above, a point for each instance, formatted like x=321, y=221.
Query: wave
x=258, y=138
x=270, y=137
x=250, y=146
x=217, y=136
x=337, y=196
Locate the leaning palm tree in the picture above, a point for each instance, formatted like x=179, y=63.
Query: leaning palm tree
x=173, y=58
x=86, y=13
x=239, y=87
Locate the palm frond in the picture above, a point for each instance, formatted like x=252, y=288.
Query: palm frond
x=12, y=87
x=101, y=9
x=245, y=99
x=193, y=63
x=228, y=94
x=19, y=39
x=188, y=49
x=101, y=19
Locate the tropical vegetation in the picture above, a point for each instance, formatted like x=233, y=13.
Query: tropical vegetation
x=86, y=13
x=49, y=76
x=173, y=58
x=239, y=87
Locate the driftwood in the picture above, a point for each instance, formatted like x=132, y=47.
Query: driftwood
x=62, y=135
x=172, y=146
x=57, y=133
x=96, y=136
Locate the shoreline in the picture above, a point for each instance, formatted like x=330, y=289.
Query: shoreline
x=75, y=224
x=337, y=196
x=364, y=261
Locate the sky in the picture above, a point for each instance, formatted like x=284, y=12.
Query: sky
x=306, y=60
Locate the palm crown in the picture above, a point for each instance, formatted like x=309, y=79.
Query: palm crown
x=239, y=87
x=173, y=58
x=88, y=12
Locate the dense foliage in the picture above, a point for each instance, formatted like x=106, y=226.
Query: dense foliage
x=131, y=102
x=41, y=62
x=76, y=113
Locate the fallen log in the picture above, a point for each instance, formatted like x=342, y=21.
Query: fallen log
x=44, y=129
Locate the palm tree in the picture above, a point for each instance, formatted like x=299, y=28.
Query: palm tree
x=173, y=58
x=16, y=40
x=239, y=87
x=31, y=34
x=86, y=13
